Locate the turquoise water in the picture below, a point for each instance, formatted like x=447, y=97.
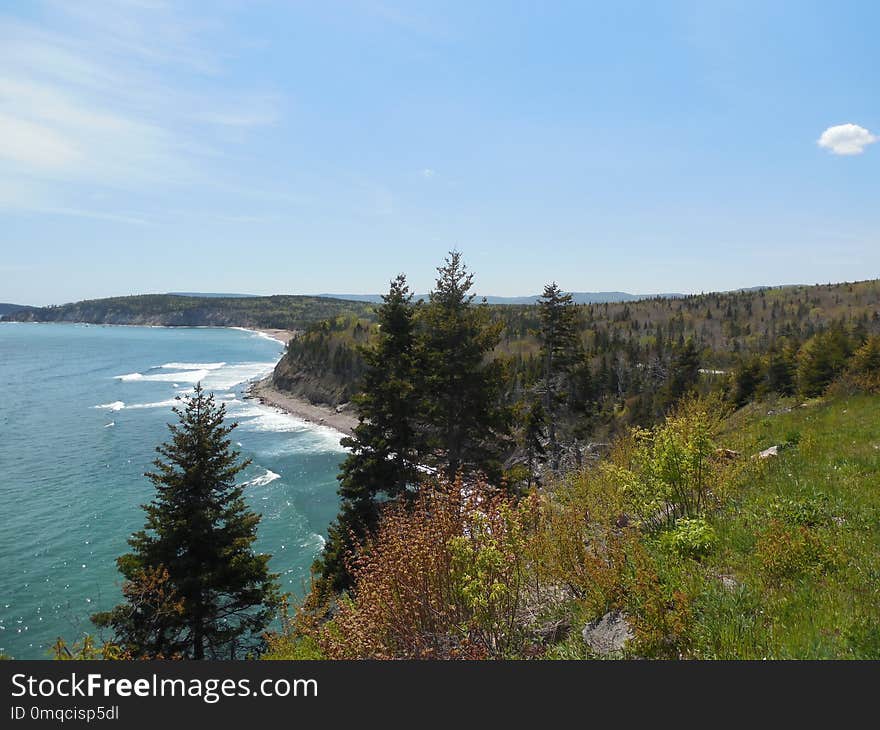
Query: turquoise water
x=82, y=409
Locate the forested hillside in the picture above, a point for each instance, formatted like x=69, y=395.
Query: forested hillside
x=632, y=351
x=732, y=512
x=278, y=312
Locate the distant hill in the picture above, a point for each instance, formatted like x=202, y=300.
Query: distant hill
x=9, y=308
x=281, y=312
x=584, y=297
x=210, y=295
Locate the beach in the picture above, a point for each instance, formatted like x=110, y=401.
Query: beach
x=263, y=391
x=283, y=336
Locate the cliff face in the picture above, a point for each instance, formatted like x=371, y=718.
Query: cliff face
x=323, y=365
x=318, y=386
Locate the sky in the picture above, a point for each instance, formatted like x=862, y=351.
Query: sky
x=306, y=147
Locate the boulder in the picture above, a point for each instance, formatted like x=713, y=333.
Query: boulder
x=769, y=453
x=609, y=634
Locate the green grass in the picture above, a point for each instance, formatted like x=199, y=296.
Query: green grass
x=799, y=535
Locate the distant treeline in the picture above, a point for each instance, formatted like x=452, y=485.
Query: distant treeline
x=637, y=355
x=277, y=312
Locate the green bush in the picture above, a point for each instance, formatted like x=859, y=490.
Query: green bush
x=690, y=538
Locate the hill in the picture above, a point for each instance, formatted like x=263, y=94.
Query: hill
x=6, y=308
x=630, y=347
x=279, y=312
x=577, y=297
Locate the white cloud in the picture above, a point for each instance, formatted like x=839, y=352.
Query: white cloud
x=428, y=173
x=846, y=139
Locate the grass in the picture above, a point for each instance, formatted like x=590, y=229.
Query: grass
x=799, y=538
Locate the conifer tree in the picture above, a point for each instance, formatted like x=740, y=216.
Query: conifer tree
x=560, y=352
x=684, y=372
x=208, y=595
x=465, y=424
x=385, y=449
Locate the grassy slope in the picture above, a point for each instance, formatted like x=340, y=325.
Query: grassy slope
x=817, y=595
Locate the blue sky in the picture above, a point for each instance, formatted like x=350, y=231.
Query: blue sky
x=299, y=147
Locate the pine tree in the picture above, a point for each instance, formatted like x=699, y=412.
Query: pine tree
x=684, y=372
x=533, y=433
x=746, y=379
x=205, y=593
x=781, y=369
x=385, y=449
x=464, y=422
x=560, y=352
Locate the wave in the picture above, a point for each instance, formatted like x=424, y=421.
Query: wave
x=157, y=404
x=108, y=425
x=232, y=375
x=116, y=405
x=186, y=376
x=311, y=437
x=192, y=365
x=261, y=481
x=129, y=376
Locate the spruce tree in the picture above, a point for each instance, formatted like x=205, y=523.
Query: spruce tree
x=386, y=448
x=560, y=352
x=460, y=386
x=208, y=595
x=683, y=373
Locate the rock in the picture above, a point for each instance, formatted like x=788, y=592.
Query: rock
x=608, y=634
x=768, y=453
x=728, y=583
x=727, y=454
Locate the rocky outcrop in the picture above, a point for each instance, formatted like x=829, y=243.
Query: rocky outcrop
x=609, y=634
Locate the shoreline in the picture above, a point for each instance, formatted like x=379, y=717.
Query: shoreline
x=263, y=391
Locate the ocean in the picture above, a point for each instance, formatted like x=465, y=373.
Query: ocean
x=82, y=408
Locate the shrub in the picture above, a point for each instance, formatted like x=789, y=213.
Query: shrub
x=785, y=552
x=690, y=538
x=442, y=578
x=672, y=470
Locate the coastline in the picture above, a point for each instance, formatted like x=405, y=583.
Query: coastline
x=282, y=336
x=263, y=391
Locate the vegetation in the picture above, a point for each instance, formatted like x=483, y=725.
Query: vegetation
x=637, y=358
x=193, y=587
x=277, y=312
x=780, y=559
x=430, y=404
x=690, y=532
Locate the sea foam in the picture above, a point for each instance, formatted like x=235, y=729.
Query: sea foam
x=192, y=365
x=116, y=405
x=262, y=480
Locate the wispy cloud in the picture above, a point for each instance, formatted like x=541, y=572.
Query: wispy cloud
x=119, y=95
x=846, y=139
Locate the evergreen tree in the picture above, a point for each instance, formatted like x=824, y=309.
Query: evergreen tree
x=820, y=360
x=386, y=448
x=684, y=372
x=208, y=595
x=533, y=433
x=781, y=369
x=746, y=379
x=560, y=352
x=464, y=422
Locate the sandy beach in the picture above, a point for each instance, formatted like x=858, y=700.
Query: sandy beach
x=283, y=336
x=263, y=391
